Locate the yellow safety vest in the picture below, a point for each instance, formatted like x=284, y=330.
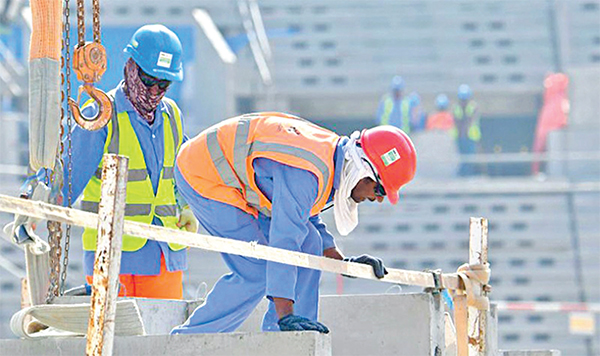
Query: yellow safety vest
x=142, y=205
x=388, y=107
x=474, y=131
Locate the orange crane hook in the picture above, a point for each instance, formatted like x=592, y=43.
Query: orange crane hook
x=89, y=62
x=105, y=108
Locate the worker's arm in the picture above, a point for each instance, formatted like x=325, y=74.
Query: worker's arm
x=87, y=148
x=293, y=193
x=329, y=248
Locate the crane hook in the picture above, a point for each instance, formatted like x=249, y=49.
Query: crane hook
x=105, y=108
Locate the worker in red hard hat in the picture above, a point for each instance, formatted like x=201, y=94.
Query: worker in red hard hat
x=265, y=178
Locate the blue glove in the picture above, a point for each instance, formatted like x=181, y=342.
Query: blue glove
x=376, y=263
x=293, y=322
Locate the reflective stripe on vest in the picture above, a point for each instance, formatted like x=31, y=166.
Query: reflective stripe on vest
x=233, y=145
x=473, y=131
x=142, y=205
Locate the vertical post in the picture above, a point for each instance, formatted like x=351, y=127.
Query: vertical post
x=478, y=254
x=111, y=214
x=460, y=321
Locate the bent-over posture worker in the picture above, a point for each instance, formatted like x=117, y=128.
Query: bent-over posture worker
x=147, y=127
x=265, y=177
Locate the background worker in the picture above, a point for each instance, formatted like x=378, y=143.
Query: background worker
x=467, y=131
x=394, y=108
x=266, y=177
x=442, y=119
x=147, y=127
x=418, y=116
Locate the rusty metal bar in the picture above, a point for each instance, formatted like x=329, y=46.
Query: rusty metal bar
x=478, y=254
x=460, y=320
x=105, y=287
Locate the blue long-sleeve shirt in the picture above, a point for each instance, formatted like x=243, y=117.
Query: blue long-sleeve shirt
x=88, y=148
x=292, y=192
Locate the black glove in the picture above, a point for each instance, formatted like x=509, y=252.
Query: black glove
x=376, y=263
x=293, y=322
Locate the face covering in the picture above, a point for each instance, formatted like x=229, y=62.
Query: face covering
x=345, y=209
x=143, y=101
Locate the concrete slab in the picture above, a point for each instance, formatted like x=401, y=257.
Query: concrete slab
x=232, y=344
x=393, y=324
x=389, y=324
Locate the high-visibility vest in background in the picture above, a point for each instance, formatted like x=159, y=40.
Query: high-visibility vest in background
x=466, y=122
x=218, y=162
x=388, y=108
x=142, y=205
x=441, y=120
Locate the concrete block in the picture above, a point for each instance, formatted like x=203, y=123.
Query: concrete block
x=393, y=324
x=231, y=344
x=529, y=353
x=387, y=324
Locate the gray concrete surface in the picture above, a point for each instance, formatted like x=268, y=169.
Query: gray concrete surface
x=233, y=344
x=390, y=324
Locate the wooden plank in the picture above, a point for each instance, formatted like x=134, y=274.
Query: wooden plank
x=105, y=286
x=478, y=254
x=225, y=245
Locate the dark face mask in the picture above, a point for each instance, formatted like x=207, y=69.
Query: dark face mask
x=144, y=99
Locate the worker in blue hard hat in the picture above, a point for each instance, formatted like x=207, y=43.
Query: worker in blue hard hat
x=394, y=108
x=148, y=128
x=467, y=131
x=442, y=119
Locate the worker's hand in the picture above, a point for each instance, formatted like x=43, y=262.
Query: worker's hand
x=334, y=253
x=293, y=322
x=187, y=220
x=376, y=263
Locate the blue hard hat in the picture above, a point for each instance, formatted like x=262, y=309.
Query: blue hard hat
x=442, y=102
x=464, y=92
x=157, y=50
x=397, y=83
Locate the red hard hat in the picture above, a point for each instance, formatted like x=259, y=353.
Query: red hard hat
x=394, y=156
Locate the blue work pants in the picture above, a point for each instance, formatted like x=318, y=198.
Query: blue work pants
x=236, y=294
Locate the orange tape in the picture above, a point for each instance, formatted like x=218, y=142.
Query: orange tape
x=47, y=32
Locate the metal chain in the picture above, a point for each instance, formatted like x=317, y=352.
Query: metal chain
x=69, y=180
x=96, y=20
x=54, y=236
x=54, y=227
x=80, y=23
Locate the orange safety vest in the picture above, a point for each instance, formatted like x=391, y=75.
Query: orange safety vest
x=441, y=120
x=218, y=162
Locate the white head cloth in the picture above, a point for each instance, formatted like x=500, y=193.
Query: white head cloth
x=345, y=210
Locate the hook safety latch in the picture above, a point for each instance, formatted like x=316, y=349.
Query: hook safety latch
x=105, y=108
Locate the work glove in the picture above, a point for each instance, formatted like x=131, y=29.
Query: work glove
x=376, y=263
x=187, y=220
x=293, y=322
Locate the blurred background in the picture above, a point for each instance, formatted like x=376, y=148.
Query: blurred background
x=501, y=98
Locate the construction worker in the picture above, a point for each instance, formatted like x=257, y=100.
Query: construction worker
x=265, y=177
x=442, y=119
x=147, y=127
x=466, y=132
x=394, y=108
x=417, y=115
